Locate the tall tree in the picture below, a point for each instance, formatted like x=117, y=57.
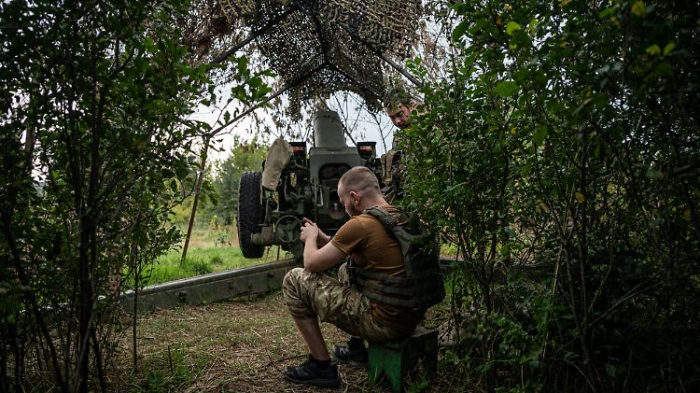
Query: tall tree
x=245, y=156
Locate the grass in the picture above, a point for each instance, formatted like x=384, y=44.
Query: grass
x=209, y=251
x=238, y=346
x=234, y=346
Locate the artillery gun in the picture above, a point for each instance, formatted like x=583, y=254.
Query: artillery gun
x=295, y=184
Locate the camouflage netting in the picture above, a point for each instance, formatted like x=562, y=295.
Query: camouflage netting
x=318, y=46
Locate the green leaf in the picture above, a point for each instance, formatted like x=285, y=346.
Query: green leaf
x=606, y=12
x=506, y=88
x=459, y=31
x=653, y=50
x=540, y=133
x=255, y=82
x=458, y=6
x=512, y=27
x=639, y=8
x=669, y=47
x=532, y=25
x=242, y=65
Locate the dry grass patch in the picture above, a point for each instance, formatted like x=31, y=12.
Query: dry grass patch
x=236, y=346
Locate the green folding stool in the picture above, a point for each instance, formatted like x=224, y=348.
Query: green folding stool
x=396, y=359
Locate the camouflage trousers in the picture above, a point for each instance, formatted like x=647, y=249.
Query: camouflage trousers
x=316, y=295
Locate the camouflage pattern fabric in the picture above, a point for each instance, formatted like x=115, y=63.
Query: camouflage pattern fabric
x=316, y=295
x=393, y=170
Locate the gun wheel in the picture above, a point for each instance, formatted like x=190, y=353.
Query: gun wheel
x=250, y=213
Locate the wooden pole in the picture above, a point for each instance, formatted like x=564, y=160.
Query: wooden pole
x=197, y=191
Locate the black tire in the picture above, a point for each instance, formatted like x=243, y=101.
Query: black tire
x=250, y=213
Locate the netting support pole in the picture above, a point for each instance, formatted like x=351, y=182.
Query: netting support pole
x=400, y=69
x=274, y=95
x=392, y=63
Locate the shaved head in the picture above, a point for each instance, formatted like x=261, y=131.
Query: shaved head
x=358, y=189
x=361, y=180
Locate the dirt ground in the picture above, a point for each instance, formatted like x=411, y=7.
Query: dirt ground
x=236, y=346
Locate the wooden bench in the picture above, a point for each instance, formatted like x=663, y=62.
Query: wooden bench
x=396, y=359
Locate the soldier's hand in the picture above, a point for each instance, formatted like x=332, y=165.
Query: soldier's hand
x=322, y=237
x=309, y=231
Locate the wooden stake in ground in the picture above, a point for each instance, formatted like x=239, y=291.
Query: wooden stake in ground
x=197, y=191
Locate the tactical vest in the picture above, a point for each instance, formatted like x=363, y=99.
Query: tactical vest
x=392, y=175
x=422, y=286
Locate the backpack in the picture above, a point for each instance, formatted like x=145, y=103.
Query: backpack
x=422, y=287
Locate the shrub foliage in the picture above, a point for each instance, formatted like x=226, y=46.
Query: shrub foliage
x=94, y=104
x=561, y=157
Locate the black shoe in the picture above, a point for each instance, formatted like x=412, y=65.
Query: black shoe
x=353, y=357
x=309, y=373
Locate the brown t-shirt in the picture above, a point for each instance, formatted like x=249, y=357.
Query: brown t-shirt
x=367, y=241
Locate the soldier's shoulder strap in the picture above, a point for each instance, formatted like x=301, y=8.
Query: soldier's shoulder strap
x=387, y=219
x=394, y=226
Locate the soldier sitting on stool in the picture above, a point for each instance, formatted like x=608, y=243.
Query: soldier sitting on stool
x=312, y=295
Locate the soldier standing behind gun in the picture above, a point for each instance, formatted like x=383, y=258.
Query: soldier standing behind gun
x=399, y=106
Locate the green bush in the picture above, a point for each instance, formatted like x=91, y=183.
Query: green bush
x=95, y=107
x=562, y=156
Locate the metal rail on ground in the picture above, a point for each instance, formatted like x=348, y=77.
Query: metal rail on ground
x=210, y=288
x=216, y=287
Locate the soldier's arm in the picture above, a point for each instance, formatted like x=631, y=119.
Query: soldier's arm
x=318, y=259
